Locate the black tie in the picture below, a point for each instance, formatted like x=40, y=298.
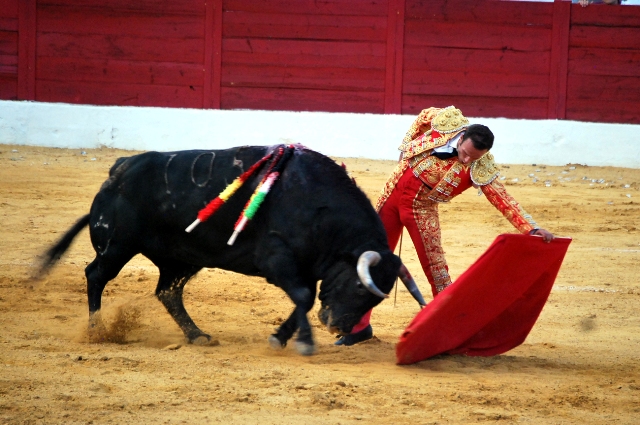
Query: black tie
x=445, y=155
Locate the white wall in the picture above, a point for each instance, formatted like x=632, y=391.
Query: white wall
x=549, y=142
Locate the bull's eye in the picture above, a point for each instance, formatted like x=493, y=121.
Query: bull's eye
x=359, y=284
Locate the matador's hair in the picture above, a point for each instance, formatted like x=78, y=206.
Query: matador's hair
x=480, y=135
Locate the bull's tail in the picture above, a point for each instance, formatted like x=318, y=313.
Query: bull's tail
x=53, y=254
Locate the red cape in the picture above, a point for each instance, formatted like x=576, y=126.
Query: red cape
x=491, y=307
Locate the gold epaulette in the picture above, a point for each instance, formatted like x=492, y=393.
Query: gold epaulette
x=420, y=126
x=484, y=170
x=449, y=120
x=446, y=122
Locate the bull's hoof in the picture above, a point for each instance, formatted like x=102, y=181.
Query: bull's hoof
x=305, y=349
x=275, y=343
x=201, y=340
x=96, y=330
x=198, y=338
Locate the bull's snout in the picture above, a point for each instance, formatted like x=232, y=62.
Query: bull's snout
x=333, y=325
x=324, y=315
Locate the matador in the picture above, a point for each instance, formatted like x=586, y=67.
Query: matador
x=441, y=157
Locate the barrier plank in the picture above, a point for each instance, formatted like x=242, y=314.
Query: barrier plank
x=74, y=20
x=480, y=106
x=605, y=37
x=612, y=111
x=119, y=94
x=592, y=61
x=119, y=71
x=316, y=27
x=8, y=84
x=93, y=46
x=153, y=6
x=420, y=59
x=461, y=83
x=279, y=99
x=317, y=77
x=326, y=7
x=494, y=12
x=478, y=35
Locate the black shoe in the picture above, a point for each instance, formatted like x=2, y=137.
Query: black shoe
x=363, y=335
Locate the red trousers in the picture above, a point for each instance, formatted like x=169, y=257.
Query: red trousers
x=408, y=207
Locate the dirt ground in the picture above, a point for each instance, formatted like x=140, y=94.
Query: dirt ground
x=579, y=365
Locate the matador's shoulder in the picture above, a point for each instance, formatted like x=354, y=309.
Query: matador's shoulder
x=484, y=170
x=432, y=128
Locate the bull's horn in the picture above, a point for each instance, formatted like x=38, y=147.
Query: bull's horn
x=408, y=281
x=366, y=260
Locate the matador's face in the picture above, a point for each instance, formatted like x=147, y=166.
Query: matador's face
x=467, y=153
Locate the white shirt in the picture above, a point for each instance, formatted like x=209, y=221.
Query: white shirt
x=451, y=144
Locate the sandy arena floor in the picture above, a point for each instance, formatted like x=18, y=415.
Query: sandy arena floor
x=579, y=365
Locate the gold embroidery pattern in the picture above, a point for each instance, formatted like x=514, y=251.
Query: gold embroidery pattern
x=428, y=168
x=425, y=212
x=442, y=192
x=484, y=170
x=388, y=187
x=447, y=121
x=443, y=175
x=420, y=126
x=509, y=207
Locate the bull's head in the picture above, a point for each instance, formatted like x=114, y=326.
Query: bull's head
x=355, y=285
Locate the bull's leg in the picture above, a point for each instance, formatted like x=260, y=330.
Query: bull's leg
x=99, y=272
x=173, y=277
x=303, y=298
x=277, y=261
x=304, y=342
x=284, y=332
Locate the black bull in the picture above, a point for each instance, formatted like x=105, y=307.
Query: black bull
x=314, y=225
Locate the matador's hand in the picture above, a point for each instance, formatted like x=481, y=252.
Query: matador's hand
x=546, y=235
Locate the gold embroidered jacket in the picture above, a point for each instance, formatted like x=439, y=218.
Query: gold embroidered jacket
x=447, y=178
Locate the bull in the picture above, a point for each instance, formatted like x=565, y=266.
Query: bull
x=314, y=226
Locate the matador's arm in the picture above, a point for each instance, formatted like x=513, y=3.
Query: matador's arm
x=509, y=207
x=484, y=173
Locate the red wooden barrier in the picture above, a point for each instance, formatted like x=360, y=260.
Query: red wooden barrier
x=293, y=55
x=213, y=54
x=604, y=65
x=395, y=53
x=559, y=56
x=489, y=58
x=8, y=49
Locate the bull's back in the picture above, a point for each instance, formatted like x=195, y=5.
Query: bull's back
x=149, y=200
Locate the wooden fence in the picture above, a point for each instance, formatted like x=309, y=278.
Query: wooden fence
x=489, y=58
